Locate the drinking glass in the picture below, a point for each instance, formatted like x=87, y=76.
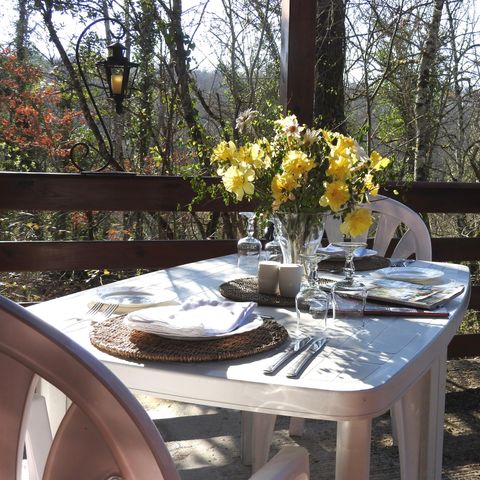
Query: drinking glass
x=311, y=302
x=349, y=295
x=249, y=248
x=272, y=250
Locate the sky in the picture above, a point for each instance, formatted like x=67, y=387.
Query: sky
x=73, y=29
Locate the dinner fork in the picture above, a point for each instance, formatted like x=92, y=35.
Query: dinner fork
x=98, y=310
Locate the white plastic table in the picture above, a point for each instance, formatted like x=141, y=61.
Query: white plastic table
x=397, y=363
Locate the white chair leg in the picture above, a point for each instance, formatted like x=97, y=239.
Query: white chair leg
x=57, y=403
x=290, y=462
x=353, y=450
x=297, y=426
x=38, y=438
x=257, y=434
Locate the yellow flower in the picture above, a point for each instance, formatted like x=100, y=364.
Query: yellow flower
x=257, y=157
x=344, y=147
x=297, y=163
x=239, y=181
x=335, y=196
x=371, y=187
x=356, y=222
x=224, y=151
x=339, y=167
x=328, y=136
x=377, y=162
x=282, y=186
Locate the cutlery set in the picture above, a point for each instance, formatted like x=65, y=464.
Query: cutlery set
x=306, y=348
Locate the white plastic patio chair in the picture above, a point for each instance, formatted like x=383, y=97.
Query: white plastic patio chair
x=105, y=435
x=392, y=221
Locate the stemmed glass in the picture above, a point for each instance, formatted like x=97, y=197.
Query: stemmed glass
x=349, y=269
x=249, y=248
x=349, y=287
x=311, y=302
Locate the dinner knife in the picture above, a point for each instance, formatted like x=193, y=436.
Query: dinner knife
x=309, y=355
x=295, y=348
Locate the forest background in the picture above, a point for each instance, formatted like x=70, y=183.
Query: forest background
x=401, y=76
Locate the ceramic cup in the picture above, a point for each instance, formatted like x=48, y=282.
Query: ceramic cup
x=268, y=277
x=289, y=279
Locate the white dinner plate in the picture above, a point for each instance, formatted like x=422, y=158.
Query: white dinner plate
x=132, y=298
x=255, y=323
x=410, y=274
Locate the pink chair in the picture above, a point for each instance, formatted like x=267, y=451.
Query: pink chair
x=105, y=435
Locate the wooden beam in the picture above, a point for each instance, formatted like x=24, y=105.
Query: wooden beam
x=297, y=58
x=115, y=255
x=464, y=346
x=437, y=197
x=103, y=191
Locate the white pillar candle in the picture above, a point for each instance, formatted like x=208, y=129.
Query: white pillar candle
x=289, y=279
x=268, y=277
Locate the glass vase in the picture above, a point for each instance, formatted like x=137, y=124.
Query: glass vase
x=298, y=234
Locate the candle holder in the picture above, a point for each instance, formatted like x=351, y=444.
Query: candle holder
x=117, y=75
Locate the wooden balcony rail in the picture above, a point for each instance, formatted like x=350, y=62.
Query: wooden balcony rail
x=124, y=192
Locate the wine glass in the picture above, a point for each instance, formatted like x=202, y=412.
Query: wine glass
x=311, y=302
x=249, y=248
x=349, y=248
x=349, y=296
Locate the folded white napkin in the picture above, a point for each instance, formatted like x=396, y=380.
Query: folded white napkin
x=192, y=318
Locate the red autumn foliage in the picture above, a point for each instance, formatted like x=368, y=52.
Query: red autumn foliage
x=32, y=118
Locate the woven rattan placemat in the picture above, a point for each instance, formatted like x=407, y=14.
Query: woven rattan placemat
x=114, y=337
x=361, y=264
x=246, y=290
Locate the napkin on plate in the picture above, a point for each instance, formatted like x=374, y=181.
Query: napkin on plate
x=192, y=318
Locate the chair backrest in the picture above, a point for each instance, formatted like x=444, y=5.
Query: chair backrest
x=105, y=434
x=391, y=214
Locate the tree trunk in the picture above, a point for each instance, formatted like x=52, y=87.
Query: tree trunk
x=423, y=103
x=329, y=107
x=175, y=40
x=21, y=31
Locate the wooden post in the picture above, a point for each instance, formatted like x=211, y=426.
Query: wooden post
x=297, y=58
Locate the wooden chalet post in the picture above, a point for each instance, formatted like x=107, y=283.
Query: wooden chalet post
x=297, y=58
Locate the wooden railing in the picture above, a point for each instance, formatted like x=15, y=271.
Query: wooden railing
x=119, y=192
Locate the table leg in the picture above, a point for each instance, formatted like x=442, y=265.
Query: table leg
x=353, y=449
x=297, y=426
x=419, y=417
x=431, y=466
x=257, y=434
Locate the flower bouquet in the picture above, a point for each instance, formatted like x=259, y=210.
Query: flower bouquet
x=300, y=170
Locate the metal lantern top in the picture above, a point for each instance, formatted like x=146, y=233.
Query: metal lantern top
x=117, y=74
